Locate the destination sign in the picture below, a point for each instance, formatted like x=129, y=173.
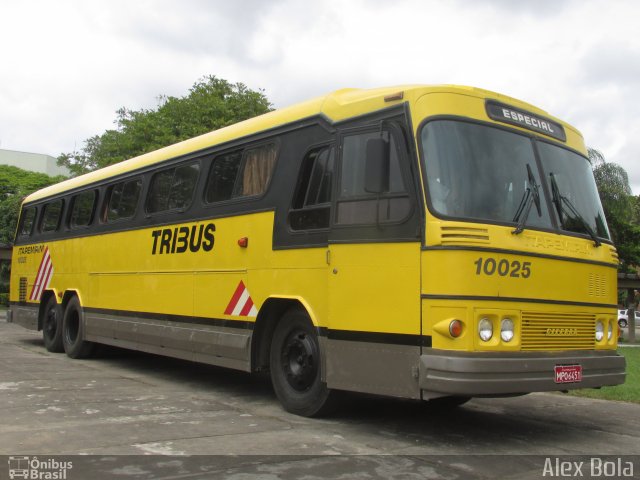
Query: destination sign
x=521, y=118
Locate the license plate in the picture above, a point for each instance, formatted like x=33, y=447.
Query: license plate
x=568, y=373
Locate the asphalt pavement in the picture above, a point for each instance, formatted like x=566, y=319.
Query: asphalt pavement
x=130, y=415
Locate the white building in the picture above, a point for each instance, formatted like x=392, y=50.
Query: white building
x=34, y=162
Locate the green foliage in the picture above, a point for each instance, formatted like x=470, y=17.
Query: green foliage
x=629, y=391
x=613, y=186
x=15, y=184
x=212, y=103
x=620, y=208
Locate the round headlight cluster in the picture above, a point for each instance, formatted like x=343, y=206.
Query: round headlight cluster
x=506, y=330
x=599, y=331
x=485, y=329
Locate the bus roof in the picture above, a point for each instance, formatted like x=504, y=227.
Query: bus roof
x=336, y=106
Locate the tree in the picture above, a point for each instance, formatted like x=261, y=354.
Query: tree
x=619, y=207
x=15, y=184
x=212, y=103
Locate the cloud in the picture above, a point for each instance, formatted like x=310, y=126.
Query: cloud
x=73, y=64
x=610, y=63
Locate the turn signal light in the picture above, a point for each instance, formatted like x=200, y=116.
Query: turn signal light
x=243, y=242
x=455, y=328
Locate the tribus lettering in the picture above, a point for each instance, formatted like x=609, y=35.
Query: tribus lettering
x=181, y=239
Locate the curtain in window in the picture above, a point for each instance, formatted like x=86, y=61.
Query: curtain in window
x=258, y=168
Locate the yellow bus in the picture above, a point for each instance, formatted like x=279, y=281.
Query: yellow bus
x=424, y=242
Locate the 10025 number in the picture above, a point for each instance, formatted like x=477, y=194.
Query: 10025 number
x=504, y=268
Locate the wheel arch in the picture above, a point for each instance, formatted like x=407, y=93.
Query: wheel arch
x=269, y=315
x=68, y=295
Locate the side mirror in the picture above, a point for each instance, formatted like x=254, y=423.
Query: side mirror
x=377, y=166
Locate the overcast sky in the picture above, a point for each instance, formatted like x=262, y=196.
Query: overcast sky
x=66, y=66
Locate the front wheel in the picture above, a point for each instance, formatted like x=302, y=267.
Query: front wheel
x=52, y=326
x=295, y=367
x=73, y=331
x=622, y=322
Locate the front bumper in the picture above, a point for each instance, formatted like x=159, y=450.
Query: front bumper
x=494, y=374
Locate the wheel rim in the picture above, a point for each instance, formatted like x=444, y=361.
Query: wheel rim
x=299, y=360
x=51, y=323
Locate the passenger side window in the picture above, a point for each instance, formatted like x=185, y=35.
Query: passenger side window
x=355, y=204
x=28, y=219
x=222, y=177
x=311, y=203
x=82, y=208
x=51, y=216
x=235, y=174
x=258, y=167
x=173, y=189
x=122, y=200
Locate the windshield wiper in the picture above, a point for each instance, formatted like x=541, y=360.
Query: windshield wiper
x=531, y=196
x=560, y=201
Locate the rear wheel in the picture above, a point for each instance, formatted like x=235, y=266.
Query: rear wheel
x=295, y=367
x=52, y=326
x=622, y=322
x=73, y=331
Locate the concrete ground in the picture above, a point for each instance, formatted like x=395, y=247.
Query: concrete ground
x=174, y=419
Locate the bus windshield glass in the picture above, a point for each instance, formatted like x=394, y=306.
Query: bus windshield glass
x=575, y=195
x=482, y=173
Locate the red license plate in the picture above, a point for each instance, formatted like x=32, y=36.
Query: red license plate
x=568, y=373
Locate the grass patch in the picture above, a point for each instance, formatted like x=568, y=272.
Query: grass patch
x=629, y=391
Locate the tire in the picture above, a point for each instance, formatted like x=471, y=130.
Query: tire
x=295, y=367
x=52, y=326
x=622, y=322
x=73, y=331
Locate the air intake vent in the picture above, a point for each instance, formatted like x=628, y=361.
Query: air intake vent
x=614, y=254
x=598, y=286
x=464, y=236
x=23, y=289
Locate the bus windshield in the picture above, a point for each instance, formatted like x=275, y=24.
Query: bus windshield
x=575, y=195
x=482, y=173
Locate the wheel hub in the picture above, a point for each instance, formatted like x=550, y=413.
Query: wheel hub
x=299, y=361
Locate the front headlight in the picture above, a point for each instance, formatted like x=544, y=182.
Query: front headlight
x=599, y=331
x=610, y=331
x=506, y=330
x=485, y=329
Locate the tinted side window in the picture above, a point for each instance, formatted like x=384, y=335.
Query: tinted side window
x=356, y=205
x=51, y=216
x=173, y=189
x=311, y=207
x=235, y=174
x=123, y=199
x=222, y=177
x=28, y=219
x=82, y=208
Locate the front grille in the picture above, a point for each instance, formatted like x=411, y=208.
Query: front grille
x=558, y=331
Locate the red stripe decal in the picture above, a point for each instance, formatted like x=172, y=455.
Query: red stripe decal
x=235, y=298
x=247, y=307
x=38, y=279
